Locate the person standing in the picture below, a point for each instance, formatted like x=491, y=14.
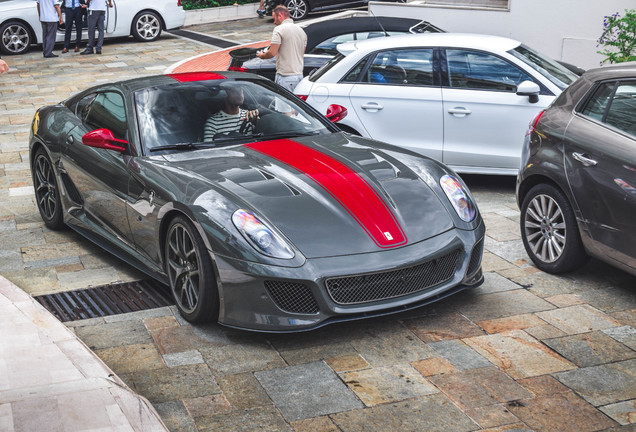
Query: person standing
x=288, y=45
x=73, y=11
x=96, y=18
x=50, y=15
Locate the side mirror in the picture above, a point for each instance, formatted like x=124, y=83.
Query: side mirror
x=530, y=89
x=104, y=139
x=335, y=113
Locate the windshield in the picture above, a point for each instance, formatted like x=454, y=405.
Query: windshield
x=214, y=113
x=557, y=74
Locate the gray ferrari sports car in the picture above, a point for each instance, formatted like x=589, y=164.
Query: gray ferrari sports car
x=255, y=209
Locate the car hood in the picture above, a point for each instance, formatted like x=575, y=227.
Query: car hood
x=328, y=195
x=16, y=5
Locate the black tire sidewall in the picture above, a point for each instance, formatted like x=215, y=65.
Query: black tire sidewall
x=207, y=308
x=573, y=255
x=56, y=222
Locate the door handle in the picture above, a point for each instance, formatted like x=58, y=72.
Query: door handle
x=372, y=106
x=586, y=161
x=459, y=111
x=70, y=139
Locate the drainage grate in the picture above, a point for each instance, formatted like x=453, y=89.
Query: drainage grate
x=106, y=300
x=210, y=40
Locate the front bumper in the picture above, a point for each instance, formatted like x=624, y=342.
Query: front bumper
x=282, y=299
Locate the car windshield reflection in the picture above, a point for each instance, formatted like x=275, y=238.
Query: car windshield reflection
x=213, y=113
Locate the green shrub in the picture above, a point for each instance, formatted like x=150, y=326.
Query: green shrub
x=202, y=4
x=619, y=37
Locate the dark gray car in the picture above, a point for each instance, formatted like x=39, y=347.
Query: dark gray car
x=577, y=183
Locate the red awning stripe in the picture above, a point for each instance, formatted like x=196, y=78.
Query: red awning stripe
x=362, y=202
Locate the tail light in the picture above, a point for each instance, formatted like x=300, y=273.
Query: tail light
x=303, y=97
x=238, y=69
x=533, y=124
x=335, y=113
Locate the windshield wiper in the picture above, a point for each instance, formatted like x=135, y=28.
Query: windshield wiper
x=180, y=146
x=226, y=138
x=291, y=134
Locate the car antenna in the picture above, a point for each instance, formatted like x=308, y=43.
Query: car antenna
x=379, y=23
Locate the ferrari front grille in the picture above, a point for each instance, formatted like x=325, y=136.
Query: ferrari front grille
x=371, y=287
x=292, y=297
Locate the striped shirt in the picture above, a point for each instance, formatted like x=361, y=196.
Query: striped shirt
x=225, y=123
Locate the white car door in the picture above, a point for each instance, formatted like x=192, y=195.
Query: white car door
x=398, y=100
x=484, y=119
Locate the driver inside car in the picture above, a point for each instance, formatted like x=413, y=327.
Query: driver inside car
x=231, y=119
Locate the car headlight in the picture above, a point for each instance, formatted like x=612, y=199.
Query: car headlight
x=459, y=198
x=263, y=239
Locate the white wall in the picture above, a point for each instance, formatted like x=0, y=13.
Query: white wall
x=562, y=29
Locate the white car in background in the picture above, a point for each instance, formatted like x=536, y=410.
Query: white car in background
x=465, y=100
x=143, y=19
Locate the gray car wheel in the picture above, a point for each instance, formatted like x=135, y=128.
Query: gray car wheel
x=549, y=230
x=189, y=269
x=146, y=26
x=15, y=38
x=298, y=9
x=47, y=192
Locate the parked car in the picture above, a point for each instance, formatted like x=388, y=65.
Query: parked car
x=577, y=184
x=299, y=9
x=143, y=19
x=288, y=227
x=465, y=100
x=324, y=36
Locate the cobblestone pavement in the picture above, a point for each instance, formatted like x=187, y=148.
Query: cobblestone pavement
x=525, y=351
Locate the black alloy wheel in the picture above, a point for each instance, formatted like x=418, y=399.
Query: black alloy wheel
x=549, y=230
x=189, y=269
x=47, y=192
x=146, y=26
x=298, y=9
x=15, y=38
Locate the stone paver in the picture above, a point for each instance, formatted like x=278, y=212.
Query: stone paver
x=525, y=351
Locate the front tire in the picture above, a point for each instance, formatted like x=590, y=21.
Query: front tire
x=15, y=38
x=47, y=191
x=549, y=230
x=298, y=9
x=146, y=26
x=189, y=269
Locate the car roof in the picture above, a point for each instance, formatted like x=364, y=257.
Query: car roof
x=458, y=40
x=320, y=31
x=620, y=70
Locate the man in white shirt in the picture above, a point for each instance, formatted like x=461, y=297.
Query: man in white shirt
x=288, y=45
x=50, y=15
x=96, y=17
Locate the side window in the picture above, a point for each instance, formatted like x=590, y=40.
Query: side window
x=597, y=104
x=622, y=112
x=107, y=111
x=81, y=109
x=615, y=108
x=401, y=67
x=481, y=71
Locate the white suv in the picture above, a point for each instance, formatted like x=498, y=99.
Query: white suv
x=465, y=100
x=143, y=19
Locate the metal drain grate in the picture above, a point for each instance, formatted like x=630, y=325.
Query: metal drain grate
x=106, y=300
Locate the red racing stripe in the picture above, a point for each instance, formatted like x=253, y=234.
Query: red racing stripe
x=345, y=185
x=195, y=76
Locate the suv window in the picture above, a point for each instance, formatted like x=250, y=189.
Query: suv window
x=614, y=103
x=482, y=71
